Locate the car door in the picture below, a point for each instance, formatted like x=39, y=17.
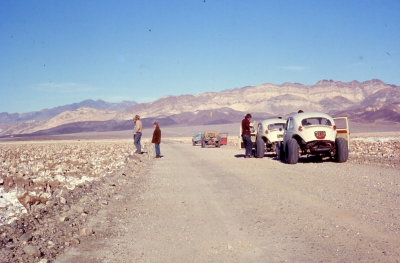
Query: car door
x=342, y=128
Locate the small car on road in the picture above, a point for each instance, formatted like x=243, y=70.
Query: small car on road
x=312, y=133
x=210, y=138
x=197, y=138
x=269, y=134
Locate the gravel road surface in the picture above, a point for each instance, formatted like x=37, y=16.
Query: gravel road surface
x=212, y=205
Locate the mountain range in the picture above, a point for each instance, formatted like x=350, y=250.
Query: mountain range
x=46, y=114
x=368, y=101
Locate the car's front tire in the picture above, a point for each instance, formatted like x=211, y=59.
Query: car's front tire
x=342, y=150
x=292, y=151
x=260, y=147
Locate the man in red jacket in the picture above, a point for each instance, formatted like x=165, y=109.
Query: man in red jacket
x=157, y=139
x=246, y=135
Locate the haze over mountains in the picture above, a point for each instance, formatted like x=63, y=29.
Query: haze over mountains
x=370, y=101
x=46, y=114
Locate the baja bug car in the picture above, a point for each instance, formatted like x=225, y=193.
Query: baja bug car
x=268, y=135
x=313, y=133
x=210, y=138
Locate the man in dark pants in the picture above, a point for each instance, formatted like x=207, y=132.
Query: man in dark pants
x=246, y=135
x=137, y=134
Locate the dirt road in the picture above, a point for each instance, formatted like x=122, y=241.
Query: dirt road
x=209, y=205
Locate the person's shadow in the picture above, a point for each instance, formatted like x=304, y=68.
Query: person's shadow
x=315, y=159
x=267, y=155
x=311, y=159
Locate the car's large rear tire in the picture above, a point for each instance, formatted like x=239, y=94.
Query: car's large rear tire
x=342, y=150
x=194, y=143
x=218, y=144
x=292, y=151
x=260, y=147
x=203, y=143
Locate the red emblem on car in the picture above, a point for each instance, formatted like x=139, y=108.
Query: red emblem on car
x=320, y=134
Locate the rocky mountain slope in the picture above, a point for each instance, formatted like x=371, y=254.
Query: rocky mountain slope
x=325, y=95
x=67, y=117
x=46, y=114
x=373, y=113
x=79, y=115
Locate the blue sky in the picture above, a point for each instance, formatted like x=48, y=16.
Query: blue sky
x=55, y=52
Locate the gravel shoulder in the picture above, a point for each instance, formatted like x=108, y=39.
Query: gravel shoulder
x=59, y=189
x=211, y=205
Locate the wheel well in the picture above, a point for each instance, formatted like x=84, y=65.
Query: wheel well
x=299, y=140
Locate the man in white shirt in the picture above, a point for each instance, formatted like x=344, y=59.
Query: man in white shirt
x=137, y=134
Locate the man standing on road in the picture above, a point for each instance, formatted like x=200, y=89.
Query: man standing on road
x=246, y=135
x=157, y=139
x=137, y=134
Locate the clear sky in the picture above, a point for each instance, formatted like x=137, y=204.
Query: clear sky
x=55, y=52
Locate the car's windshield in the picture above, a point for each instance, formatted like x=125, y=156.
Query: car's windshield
x=316, y=121
x=211, y=134
x=276, y=126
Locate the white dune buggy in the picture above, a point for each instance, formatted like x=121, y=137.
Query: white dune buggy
x=269, y=134
x=314, y=133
